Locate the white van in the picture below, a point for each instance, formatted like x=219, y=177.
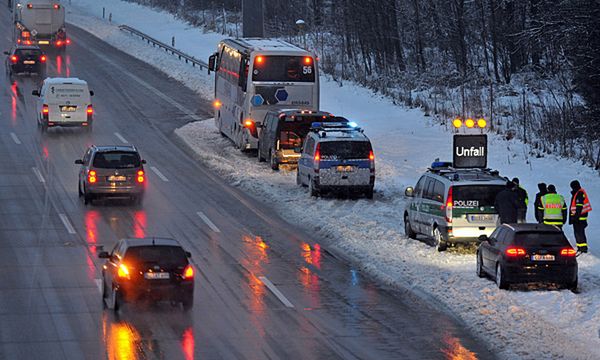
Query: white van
x=64, y=102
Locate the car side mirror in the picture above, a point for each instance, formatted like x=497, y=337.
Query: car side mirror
x=409, y=192
x=483, y=238
x=6, y=53
x=188, y=254
x=35, y=93
x=212, y=63
x=103, y=255
x=79, y=162
x=144, y=162
x=91, y=93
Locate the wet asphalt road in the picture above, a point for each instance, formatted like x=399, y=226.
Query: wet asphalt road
x=50, y=306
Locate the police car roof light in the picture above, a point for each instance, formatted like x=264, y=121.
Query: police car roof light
x=441, y=164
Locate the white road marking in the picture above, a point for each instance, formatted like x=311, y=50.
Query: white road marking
x=208, y=222
x=99, y=284
x=120, y=137
x=276, y=291
x=159, y=174
x=67, y=223
x=38, y=174
x=15, y=138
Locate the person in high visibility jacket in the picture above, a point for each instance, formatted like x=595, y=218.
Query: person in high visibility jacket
x=554, y=208
x=578, y=214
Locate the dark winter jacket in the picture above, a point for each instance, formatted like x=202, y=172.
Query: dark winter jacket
x=507, y=203
x=539, y=214
x=522, y=197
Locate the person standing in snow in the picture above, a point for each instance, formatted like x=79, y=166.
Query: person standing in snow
x=523, y=201
x=507, y=204
x=554, y=208
x=537, y=205
x=580, y=208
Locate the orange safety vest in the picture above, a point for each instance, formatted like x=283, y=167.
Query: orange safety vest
x=587, y=207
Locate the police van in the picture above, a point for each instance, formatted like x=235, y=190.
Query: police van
x=453, y=205
x=337, y=157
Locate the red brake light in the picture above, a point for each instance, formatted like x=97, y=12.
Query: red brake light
x=248, y=123
x=260, y=59
x=449, y=205
x=14, y=59
x=371, y=156
x=568, y=252
x=308, y=60
x=318, y=153
x=59, y=43
x=140, y=176
x=43, y=58
x=56, y=6
x=188, y=272
x=92, y=176
x=514, y=251
x=29, y=6
x=45, y=109
x=90, y=110
x=68, y=41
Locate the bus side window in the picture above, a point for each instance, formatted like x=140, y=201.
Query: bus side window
x=243, y=82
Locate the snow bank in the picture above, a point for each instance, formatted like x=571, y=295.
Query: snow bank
x=524, y=323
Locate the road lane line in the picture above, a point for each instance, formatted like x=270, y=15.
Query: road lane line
x=208, y=222
x=15, y=138
x=38, y=174
x=159, y=174
x=99, y=284
x=67, y=224
x=120, y=137
x=276, y=291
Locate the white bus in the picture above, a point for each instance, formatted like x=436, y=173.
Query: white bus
x=254, y=76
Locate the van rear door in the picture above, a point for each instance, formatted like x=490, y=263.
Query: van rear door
x=68, y=102
x=474, y=204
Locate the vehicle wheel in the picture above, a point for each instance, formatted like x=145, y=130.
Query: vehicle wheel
x=500, y=278
x=116, y=301
x=79, y=189
x=439, y=242
x=298, y=180
x=188, y=303
x=103, y=294
x=311, y=188
x=137, y=200
x=274, y=163
x=44, y=127
x=572, y=285
x=369, y=194
x=259, y=155
x=479, y=270
x=220, y=124
x=88, y=129
x=408, y=231
x=87, y=198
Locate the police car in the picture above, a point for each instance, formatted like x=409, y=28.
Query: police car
x=337, y=157
x=453, y=205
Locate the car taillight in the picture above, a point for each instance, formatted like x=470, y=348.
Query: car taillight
x=14, y=59
x=570, y=252
x=140, y=176
x=188, y=272
x=92, y=177
x=68, y=41
x=318, y=154
x=371, y=156
x=43, y=58
x=123, y=272
x=45, y=111
x=90, y=110
x=514, y=251
x=449, y=205
x=251, y=125
x=56, y=6
x=59, y=43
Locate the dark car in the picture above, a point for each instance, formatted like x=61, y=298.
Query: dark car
x=155, y=269
x=527, y=253
x=283, y=132
x=111, y=171
x=26, y=59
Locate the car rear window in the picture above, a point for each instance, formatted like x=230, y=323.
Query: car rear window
x=474, y=196
x=292, y=131
x=542, y=239
x=162, y=255
x=28, y=53
x=345, y=150
x=116, y=160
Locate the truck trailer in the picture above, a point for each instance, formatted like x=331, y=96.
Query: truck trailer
x=40, y=22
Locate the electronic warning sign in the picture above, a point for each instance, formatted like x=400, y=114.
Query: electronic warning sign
x=470, y=151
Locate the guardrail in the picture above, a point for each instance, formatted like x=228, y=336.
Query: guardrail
x=182, y=56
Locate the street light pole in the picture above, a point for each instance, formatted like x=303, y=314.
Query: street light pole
x=302, y=27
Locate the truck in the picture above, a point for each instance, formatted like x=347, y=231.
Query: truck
x=40, y=22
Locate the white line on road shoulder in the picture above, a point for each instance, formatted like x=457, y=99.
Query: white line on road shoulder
x=208, y=222
x=15, y=138
x=276, y=291
x=120, y=137
x=67, y=223
x=159, y=174
x=38, y=174
x=99, y=284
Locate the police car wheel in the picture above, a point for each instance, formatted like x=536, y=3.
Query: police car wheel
x=408, y=229
x=274, y=163
x=311, y=188
x=439, y=242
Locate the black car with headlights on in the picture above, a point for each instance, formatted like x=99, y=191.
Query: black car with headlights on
x=154, y=269
x=28, y=59
x=527, y=253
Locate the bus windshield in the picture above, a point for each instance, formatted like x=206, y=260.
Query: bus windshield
x=284, y=68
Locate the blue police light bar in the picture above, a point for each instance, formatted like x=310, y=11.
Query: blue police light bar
x=352, y=124
x=440, y=164
x=316, y=125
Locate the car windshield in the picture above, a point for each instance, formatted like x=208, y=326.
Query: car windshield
x=161, y=255
x=345, y=150
x=28, y=53
x=474, y=196
x=540, y=239
x=283, y=68
x=117, y=160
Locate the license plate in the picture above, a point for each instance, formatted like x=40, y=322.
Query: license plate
x=44, y=42
x=68, y=108
x=542, y=257
x=157, y=275
x=481, y=218
x=345, y=169
x=115, y=178
x=29, y=62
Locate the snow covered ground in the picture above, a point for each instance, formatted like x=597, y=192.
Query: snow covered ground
x=532, y=324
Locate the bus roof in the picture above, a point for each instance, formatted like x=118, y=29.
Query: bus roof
x=247, y=45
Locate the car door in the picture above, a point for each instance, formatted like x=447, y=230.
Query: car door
x=83, y=169
x=495, y=249
x=413, y=207
x=425, y=208
x=112, y=265
x=263, y=136
x=306, y=160
x=486, y=248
